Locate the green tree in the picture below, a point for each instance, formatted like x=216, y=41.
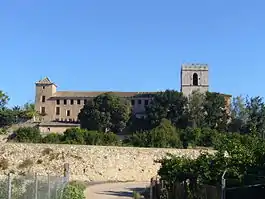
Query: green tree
x=239, y=115
x=105, y=112
x=7, y=117
x=256, y=116
x=216, y=116
x=170, y=105
x=165, y=135
x=196, y=112
x=3, y=99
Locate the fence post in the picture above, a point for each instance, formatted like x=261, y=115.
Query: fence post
x=151, y=188
x=66, y=171
x=49, y=186
x=223, y=184
x=36, y=187
x=9, y=186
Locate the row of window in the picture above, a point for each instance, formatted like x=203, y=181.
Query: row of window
x=57, y=112
x=78, y=101
x=146, y=102
x=58, y=102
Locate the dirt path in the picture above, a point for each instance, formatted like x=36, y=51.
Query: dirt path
x=114, y=190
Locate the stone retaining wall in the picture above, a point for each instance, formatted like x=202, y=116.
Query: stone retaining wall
x=90, y=163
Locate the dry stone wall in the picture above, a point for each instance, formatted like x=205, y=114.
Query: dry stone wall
x=89, y=163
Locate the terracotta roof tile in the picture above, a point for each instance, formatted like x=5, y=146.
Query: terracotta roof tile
x=96, y=93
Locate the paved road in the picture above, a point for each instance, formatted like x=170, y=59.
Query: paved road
x=114, y=190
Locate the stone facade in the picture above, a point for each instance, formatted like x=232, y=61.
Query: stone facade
x=89, y=163
x=194, y=77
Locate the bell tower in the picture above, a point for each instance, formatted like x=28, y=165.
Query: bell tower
x=194, y=77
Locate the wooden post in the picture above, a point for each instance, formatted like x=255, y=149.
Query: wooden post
x=66, y=171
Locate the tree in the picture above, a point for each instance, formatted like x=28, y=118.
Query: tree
x=256, y=116
x=170, y=105
x=30, y=112
x=3, y=99
x=216, y=116
x=105, y=112
x=239, y=115
x=196, y=112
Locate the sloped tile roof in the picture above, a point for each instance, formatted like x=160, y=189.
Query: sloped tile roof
x=74, y=94
x=46, y=80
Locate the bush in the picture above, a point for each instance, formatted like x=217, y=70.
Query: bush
x=74, y=190
x=52, y=138
x=164, y=135
x=27, y=134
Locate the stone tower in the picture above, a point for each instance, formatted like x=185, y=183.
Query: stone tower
x=45, y=89
x=194, y=77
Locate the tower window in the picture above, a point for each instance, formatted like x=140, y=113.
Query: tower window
x=85, y=101
x=43, y=99
x=72, y=102
x=43, y=87
x=145, y=102
x=78, y=101
x=195, y=79
x=68, y=113
x=139, y=101
x=133, y=102
x=43, y=110
x=58, y=102
x=65, y=102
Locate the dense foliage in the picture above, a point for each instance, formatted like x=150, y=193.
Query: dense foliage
x=104, y=113
x=70, y=136
x=74, y=190
x=242, y=157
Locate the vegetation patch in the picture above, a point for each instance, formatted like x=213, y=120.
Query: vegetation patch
x=25, y=164
x=4, y=164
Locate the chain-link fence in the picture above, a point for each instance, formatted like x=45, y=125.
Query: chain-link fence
x=32, y=186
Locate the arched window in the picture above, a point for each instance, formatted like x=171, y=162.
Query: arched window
x=195, y=79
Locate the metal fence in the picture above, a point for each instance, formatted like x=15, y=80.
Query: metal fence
x=33, y=186
x=251, y=187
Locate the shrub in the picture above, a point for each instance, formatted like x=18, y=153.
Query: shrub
x=164, y=135
x=73, y=136
x=27, y=134
x=74, y=190
x=4, y=164
x=26, y=163
x=46, y=151
x=52, y=138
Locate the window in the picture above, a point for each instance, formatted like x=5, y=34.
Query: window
x=145, y=102
x=42, y=110
x=72, y=102
x=68, y=112
x=57, y=110
x=49, y=129
x=139, y=101
x=57, y=102
x=195, y=79
x=133, y=102
x=43, y=87
x=65, y=102
x=78, y=101
x=43, y=99
x=85, y=101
